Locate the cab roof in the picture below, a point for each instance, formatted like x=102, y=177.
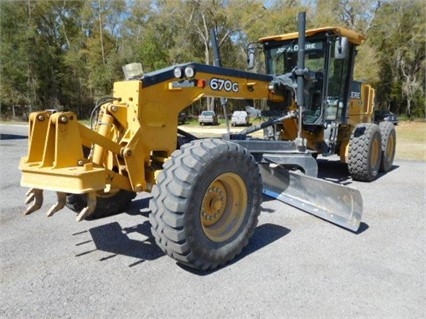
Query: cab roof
x=352, y=36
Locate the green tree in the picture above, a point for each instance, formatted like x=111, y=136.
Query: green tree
x=68, y=53
x=36, y=36
x=399, y=38
x=100, y=48
x=14, y=63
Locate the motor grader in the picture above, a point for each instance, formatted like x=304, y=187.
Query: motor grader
x=207, y=193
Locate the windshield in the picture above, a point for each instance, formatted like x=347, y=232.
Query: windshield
x=283, y=59
x=207, y=113
x=329, y=78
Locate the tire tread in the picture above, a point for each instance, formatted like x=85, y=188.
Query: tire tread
x=173, y=189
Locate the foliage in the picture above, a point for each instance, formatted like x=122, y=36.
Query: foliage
x=66, y=54
x=401, y=54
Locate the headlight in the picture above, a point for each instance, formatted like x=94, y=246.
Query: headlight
x=177, y=72
x=189, y=72
x=132, y=71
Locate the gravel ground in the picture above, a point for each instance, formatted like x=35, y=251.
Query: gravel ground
x=295, y=266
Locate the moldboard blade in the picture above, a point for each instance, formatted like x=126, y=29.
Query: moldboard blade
x=337, y=204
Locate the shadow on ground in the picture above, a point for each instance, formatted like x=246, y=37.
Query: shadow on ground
x=337, y=172
x=12, y=137
x=135, y=241
x=116, y=240
x=263, y=236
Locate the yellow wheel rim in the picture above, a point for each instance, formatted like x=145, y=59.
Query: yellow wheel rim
x=376, y=150
x=390, y=147
x=223, y=207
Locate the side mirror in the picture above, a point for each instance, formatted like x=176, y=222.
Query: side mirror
x=251, y=56
x=341, y=48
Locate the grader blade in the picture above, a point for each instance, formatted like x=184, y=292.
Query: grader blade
x=332, y=202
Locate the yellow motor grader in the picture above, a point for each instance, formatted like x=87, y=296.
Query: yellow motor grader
x=206, y=193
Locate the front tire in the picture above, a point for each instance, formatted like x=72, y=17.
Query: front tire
x=365, y=152
x=206, y=203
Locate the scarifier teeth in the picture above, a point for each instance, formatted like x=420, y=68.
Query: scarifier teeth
x=34, y=197
x=89, y=209
x=59, y=204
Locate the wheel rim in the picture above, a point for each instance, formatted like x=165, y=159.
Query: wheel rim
x=375, y=153
x=223, y=207
x=390, y=147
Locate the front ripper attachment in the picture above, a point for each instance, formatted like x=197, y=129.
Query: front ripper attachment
x=34, y=197
x=332, y=202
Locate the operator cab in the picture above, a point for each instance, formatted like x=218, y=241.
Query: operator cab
x=329, y=58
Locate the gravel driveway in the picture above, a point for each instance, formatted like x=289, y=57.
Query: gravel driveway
x=296, y=265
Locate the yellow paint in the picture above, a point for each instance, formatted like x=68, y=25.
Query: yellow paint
x=353, y=37
x=137, y=133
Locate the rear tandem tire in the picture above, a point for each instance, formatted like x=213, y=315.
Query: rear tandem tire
x=365, y=147
x=206, y=203
x=106, y=205
x=387, y=129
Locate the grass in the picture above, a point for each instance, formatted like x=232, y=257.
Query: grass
x=410, y=138
x=411, y=141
